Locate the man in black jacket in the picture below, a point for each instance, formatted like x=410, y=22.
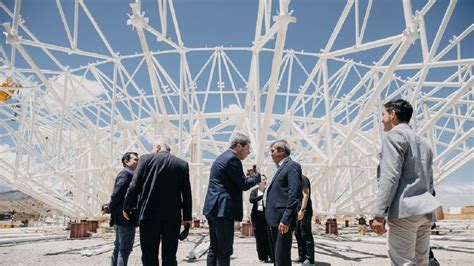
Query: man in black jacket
x=303, y=233
x=258, y=221
x=124, y=229
x=162, y=189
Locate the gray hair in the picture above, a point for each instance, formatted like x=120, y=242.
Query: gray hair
x=239, y=138
x=163, y=145
x=282, y=144
x=166, y=147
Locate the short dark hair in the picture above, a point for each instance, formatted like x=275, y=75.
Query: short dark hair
x=126, y=157
x=402, y=108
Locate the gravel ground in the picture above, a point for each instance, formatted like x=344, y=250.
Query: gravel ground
x=454, y=246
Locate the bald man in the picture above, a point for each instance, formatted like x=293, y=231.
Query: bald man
x=161, y=190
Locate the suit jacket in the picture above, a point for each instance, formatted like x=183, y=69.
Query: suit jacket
x=254, y=199
x=283, y=194
x=116, y=199
x=161, y=187
x=226, y=183
x=405, y=175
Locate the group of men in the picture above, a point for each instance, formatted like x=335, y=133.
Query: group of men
x=275, y=218
x=156, y=195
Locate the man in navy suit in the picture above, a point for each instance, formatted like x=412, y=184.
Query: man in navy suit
x=124, y=229
x=223, y=204
x=281, y=202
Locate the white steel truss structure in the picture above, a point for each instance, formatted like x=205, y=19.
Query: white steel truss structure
x=63, y=131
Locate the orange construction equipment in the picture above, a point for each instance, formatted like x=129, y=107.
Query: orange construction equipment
x=6, y=95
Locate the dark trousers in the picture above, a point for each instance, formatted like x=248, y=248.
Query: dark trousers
x=305, y=240
x=280, y=246
x=221, y=232
x=261, y=236
x=124, y=237
x=152, y=232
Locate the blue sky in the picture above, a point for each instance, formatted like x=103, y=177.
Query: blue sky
x=232, y=23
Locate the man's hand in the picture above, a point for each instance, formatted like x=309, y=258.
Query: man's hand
x=283, y=229
x=189, y=223
x=251, y=172
x=125, y=215
x=378, y=226
x=300, y=215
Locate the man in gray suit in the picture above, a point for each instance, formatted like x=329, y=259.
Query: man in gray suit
x=405, y=186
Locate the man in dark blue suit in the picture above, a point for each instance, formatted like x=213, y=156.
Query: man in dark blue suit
x=281, y=202
x=223, y=204
x=124, y=229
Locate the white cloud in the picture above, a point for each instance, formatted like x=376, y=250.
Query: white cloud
x=8, y=155
x=79, y=90
x=455, y=194
x=233, y=108
x=273, y=123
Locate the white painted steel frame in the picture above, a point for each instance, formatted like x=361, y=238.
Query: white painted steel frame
x=66, y=154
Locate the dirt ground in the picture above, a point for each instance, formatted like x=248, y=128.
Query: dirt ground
x=454, y=246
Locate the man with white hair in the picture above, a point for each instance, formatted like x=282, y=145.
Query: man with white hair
x=161, y=187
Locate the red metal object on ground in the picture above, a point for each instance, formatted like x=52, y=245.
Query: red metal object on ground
x=93, y=225
x=79, y=230
x=331, y=226
x=246, y=229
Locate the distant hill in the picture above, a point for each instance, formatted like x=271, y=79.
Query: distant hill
x=14, y=195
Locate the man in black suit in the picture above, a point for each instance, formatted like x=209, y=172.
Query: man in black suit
x=281, y=202
x=303, y=233
x=124, y=229
x=162, y=189
x=223, y=204
x=258, y=221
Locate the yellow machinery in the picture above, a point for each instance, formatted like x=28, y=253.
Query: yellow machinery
x=5, y=95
